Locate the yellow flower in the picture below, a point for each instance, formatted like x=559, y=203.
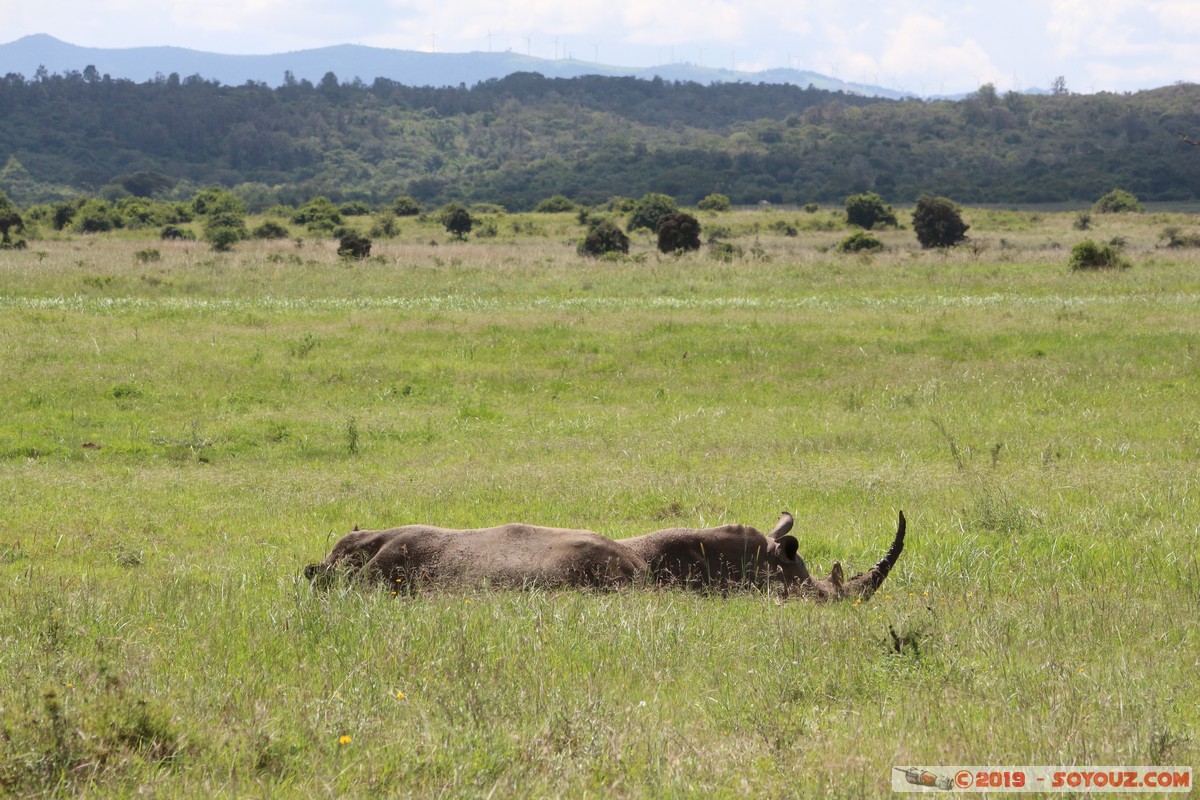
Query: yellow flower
x=467, y=601
x=401, y=695
x=344, y=739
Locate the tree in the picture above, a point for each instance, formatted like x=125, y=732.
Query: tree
x=604, y=237
x=868, y=210
x=457, y=220
x=10, y=219
x=678, y=233
x=715, y=202
x=1116, y=202
x=648, y=210
x=938, y=222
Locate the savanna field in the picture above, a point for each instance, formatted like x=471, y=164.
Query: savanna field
x=184, y=430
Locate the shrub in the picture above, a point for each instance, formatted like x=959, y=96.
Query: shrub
x=602, y=238
x=860, y=242
x=1176, y=238
x=222, y=238
x=812, y=208
x=555, y=205
x=175, y=232
x=938, y=223
x=725, y=251
x=355, y=208
x=318, y=214
x=868, y=210
x=678, y=233
x=1089, y=255
x=94, y=216
x=1083, y=221
x=270, y=230
x=1117, y=201
x=385, y=225
x=457, y=220
x=354, y=245
x=649, y=210
x=405, y=206
x=10, y=219
x=715, y=202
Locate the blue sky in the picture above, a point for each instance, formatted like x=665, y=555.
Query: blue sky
x=922, y=46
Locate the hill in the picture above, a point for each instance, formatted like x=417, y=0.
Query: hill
x=522, y=138
x=27, y=55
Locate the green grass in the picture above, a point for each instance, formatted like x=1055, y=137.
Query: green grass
x=182, y=435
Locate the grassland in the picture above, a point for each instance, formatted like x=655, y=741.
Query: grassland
x=184, y=430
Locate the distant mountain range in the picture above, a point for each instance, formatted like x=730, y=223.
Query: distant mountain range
x=26, y=55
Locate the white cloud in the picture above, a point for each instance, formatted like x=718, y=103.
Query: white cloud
x=939, y=45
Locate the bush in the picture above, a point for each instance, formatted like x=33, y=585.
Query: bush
x=1089, y=255
x=270, y=230
x=868, y=210
x=1176, y=238
x=938, y=223
x=1117, y=201
x=715, y=202
x=457, y=220
x=94, y=216
x=385, y=225
x=405, y=206
x=649, y=210
x=1083, y=221
x=860, y=242
x=175, y=232
x=725, y=251
x=555, y=205
x=222, y=238
x=355, y=208
x=318, y=214
x=602, y=238
x=678, y=233
x=10, y=219
x=354, y=245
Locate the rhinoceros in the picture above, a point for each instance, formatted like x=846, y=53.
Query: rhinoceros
x=509, y=555
x=739, y=554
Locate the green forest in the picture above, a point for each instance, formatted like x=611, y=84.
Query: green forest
x=521, y=139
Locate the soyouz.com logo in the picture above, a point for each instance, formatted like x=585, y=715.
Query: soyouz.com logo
x=1041, y=779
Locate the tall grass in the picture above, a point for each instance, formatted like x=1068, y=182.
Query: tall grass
x=182, y=435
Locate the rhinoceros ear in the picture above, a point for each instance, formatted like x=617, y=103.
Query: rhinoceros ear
x=836, y=576
x=782, y=527
x=789, y=546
